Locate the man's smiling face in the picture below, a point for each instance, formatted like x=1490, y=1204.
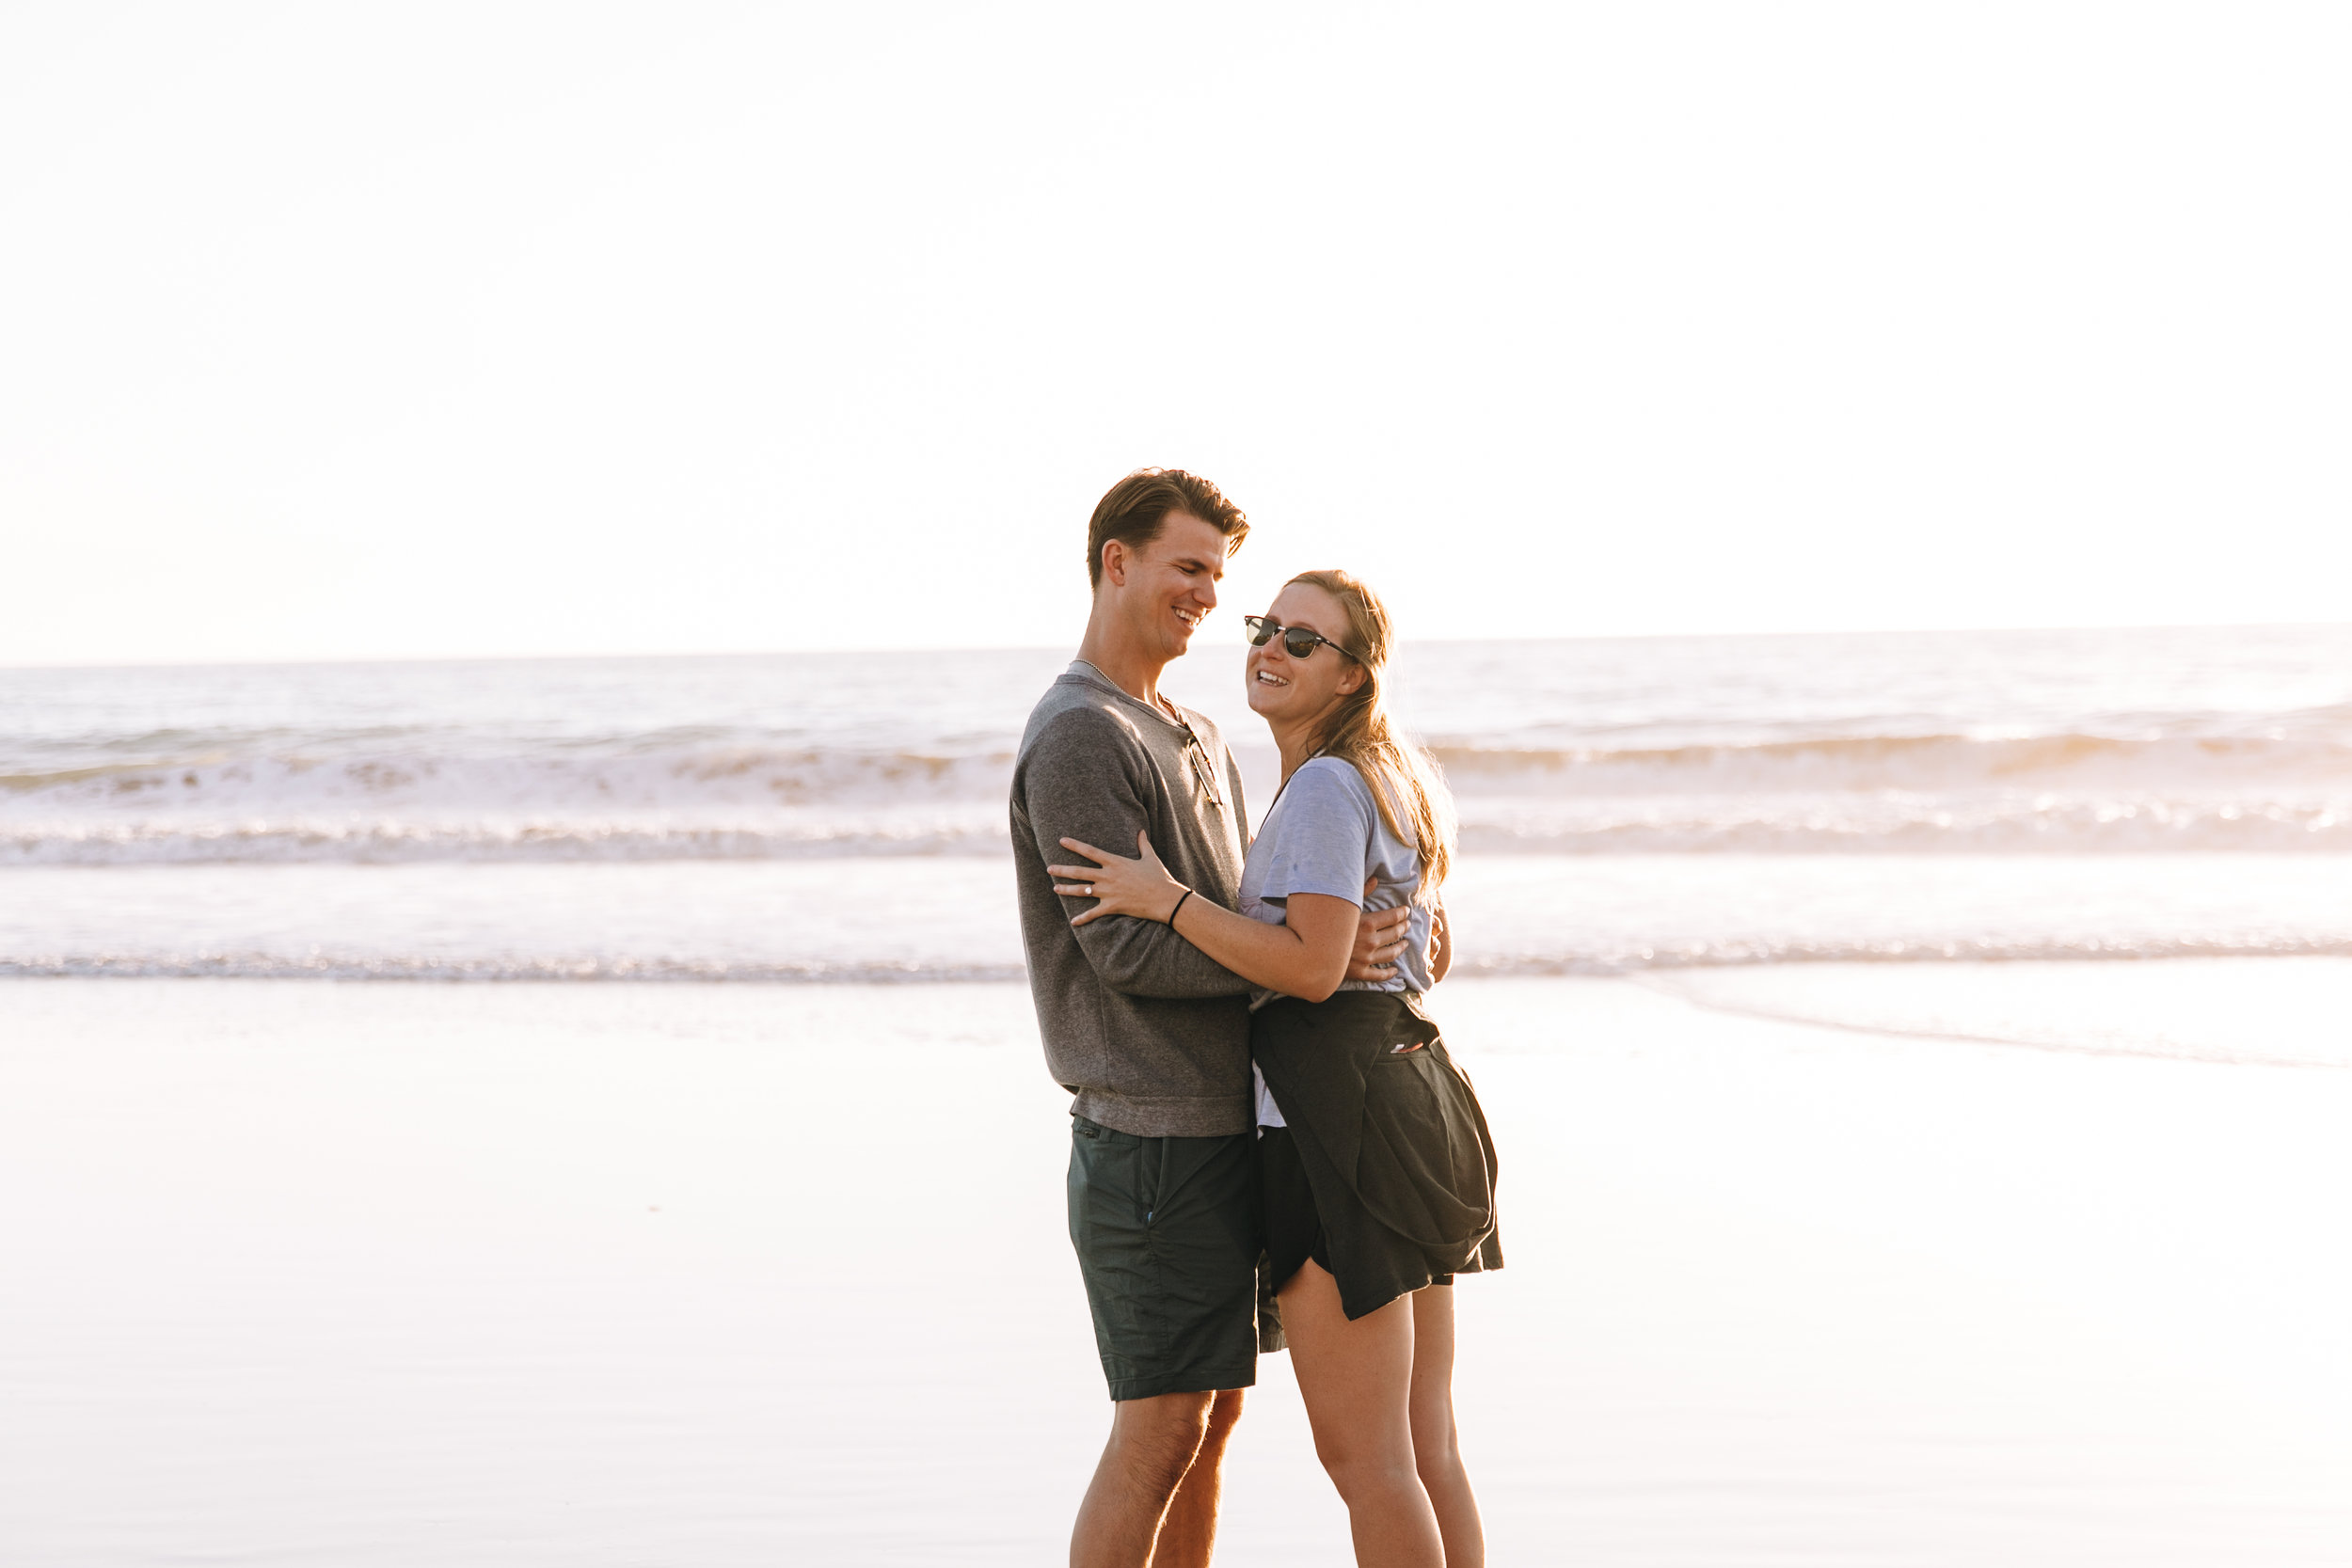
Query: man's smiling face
x=1170, y=583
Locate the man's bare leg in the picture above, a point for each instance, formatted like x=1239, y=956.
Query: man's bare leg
x=1153, y=1445
x=1188, y=1534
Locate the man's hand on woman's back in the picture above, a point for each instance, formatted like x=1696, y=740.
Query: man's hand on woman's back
x=1379, y=938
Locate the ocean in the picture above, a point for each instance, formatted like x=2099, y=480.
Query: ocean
x=1628, y=805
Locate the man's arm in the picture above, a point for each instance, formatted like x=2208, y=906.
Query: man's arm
x=1085, y=780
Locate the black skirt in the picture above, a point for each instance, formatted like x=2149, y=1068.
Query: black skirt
x=1390, y=1266
x=1385, y=1175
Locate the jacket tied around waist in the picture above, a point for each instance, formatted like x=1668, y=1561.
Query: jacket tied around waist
x=1393, y=1135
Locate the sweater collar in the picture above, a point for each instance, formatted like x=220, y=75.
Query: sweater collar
x=1084, y=671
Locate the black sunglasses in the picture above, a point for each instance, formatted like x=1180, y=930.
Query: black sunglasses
x=1298, y=641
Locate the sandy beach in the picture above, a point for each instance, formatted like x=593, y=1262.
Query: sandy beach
x=542, y=553
x=385, y=1274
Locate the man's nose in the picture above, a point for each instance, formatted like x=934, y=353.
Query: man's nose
x=1206, y=593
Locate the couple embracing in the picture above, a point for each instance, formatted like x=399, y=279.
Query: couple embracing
x=1269, y=1141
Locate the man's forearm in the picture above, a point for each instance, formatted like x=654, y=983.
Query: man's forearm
x=1143, y=957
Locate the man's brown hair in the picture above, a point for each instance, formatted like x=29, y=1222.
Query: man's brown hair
x=1134, y=509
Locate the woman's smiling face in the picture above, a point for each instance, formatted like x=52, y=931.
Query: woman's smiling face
x=1284, y=690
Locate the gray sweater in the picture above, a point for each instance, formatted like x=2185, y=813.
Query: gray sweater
x=1151, y=1035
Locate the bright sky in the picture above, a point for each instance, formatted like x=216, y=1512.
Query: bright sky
x=363, y=330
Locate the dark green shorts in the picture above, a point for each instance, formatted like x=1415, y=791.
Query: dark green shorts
x=1166, y=1234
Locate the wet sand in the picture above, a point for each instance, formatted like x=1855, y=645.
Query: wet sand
x=615, y=1273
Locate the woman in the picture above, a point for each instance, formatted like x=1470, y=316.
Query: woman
x=1379, y=1173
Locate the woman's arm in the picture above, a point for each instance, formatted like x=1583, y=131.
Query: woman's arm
x=1305, y=957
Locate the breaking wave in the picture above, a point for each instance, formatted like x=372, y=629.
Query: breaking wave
x=1993, y=823
x=1604, y=961
x=392, y=842
x=1596, y=962
x=1940, y=794
x=1989, y=822
x=642, y=774
x=2307, y=748
x=2065, y=743
x=268, y=966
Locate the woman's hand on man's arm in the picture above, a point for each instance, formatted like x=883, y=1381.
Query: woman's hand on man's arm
x=1118, y=885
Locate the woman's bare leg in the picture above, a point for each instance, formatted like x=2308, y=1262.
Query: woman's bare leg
x=1356, y=1379
x=1437, y=1450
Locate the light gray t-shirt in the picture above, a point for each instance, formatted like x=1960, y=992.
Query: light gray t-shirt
x=1324, y=835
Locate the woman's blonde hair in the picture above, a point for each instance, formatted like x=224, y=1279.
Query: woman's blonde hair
x=1407, y=785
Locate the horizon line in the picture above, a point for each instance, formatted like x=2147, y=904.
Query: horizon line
x=301, y=661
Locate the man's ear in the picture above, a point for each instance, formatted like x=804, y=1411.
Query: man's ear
x=1115, y=562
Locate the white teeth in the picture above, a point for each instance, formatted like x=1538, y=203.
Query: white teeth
x=1272, y=680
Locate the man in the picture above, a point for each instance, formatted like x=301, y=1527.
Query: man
x=1150, y=1036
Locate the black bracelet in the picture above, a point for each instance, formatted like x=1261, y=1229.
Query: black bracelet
x=1179, y=904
